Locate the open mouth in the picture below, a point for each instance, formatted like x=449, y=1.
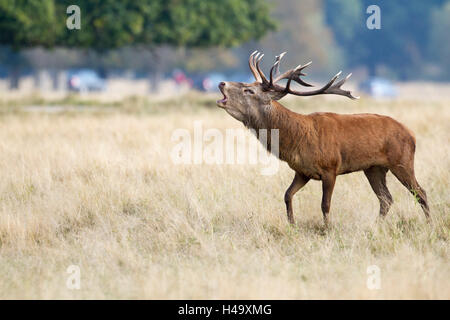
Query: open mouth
x=224, y=100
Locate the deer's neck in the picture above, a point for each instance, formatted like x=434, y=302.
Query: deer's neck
x=294, y=129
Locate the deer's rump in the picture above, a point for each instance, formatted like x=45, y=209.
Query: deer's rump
x=356, y=142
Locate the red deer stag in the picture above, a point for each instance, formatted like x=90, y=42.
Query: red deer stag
x=323, y=145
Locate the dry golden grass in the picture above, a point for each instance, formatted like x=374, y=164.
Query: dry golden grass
x=98, y=190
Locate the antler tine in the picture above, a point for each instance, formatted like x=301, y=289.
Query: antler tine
x=295, y=73
x=276, y=65
x=251, y=64
x=256, y=57
x=263, y=77
x=300, y=73
x=325, y=87
x=304, y=66
x=336, y=89
x=280, y=56
x=288, y=84
x=278, y=59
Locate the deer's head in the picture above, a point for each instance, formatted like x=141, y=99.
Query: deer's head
x=241, y=100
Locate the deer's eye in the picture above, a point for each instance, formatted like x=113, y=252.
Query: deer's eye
x=249, y=91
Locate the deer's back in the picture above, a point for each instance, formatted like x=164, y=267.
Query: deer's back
x=352, y=142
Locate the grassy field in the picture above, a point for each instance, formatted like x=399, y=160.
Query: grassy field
x=95, y=187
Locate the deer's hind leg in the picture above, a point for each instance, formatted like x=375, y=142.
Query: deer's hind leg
x=406, y=176
x=377, y=179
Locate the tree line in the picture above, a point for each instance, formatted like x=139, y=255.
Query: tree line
x=412, y=42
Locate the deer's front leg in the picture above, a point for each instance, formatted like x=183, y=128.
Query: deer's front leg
x=299, y=181
x=328, y=181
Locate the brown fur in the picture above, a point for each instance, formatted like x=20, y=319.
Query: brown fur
x=321, y=146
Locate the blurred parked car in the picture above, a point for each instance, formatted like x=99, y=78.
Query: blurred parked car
x=180, y=78
x=378, y=87
x=85, y=80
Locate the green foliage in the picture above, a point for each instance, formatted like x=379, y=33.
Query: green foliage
x=109, y=24
x=28, y=23
x=199, y=23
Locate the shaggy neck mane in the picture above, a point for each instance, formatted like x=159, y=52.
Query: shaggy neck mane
x=293, y=127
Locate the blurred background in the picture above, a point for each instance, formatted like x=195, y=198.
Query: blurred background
x=167, y=47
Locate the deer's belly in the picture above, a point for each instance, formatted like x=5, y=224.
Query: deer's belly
x=361, y=161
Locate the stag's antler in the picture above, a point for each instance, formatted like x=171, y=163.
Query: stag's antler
x=251, y=64
x=294, y=75
x=278, y=59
